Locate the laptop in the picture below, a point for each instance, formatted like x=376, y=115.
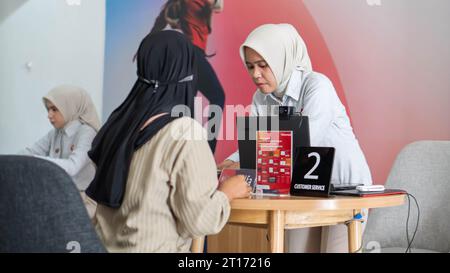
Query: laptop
x=247, y=127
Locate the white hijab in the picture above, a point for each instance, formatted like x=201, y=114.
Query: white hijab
x=282, y=48
x=74, y=103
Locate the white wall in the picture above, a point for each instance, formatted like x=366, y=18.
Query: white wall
x=64, y=43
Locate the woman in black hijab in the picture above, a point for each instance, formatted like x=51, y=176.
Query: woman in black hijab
x=155, y=186
x=165, y=79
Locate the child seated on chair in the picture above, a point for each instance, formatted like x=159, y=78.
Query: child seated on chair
x=75, y=121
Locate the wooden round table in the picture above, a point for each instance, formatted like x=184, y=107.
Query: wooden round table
x=278, y=213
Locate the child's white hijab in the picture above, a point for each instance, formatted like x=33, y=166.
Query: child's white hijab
x=74, y=103
x=282, y=48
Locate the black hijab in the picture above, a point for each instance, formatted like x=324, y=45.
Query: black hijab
x=166, y=78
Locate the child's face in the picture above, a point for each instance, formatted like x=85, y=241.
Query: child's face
x=54, y=116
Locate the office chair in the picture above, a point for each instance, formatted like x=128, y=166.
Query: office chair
x=423, y=170
x=41, y=210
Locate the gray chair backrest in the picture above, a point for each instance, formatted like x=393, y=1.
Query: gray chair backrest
x=423, y=170
x=41, y=210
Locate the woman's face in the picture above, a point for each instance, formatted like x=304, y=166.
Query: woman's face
x=54, y=115
x=260, y=71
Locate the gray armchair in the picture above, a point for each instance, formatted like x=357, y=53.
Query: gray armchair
x=423, y=169
x=41, y=209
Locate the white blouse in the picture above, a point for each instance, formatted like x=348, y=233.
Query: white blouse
x=68, y=147
x=314, y=95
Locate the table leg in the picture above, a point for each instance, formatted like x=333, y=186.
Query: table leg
x=276, y=231
x=354, y=236
x=198, y=245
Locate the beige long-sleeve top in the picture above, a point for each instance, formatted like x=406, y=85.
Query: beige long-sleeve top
x=171, y=195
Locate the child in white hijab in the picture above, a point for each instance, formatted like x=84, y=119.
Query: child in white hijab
x=277, y=60
x=75, y=121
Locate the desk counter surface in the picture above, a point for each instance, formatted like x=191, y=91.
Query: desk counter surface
x=277, y=213
x=300, y=203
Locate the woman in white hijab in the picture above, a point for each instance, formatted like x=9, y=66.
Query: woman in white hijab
x=75, y=121
x=277, y=60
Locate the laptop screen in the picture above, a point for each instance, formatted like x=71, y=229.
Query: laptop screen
x=248, y=126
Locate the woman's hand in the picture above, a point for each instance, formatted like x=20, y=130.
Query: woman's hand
x=228, y=164
x=235, y=187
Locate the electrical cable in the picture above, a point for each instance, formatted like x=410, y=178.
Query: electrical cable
x=408, y=249
x=408, y=239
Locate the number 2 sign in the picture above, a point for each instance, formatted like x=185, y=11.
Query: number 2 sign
x=312, y=171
